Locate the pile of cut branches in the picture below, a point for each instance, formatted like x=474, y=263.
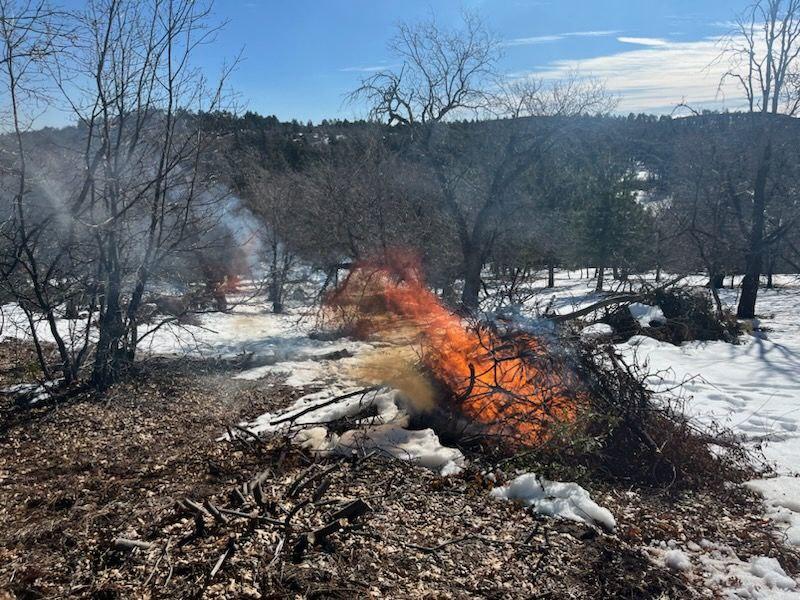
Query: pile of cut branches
x=689, y=315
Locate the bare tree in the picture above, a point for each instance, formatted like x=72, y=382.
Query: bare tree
x=764, y=51
x=30, y=34
x=130, y=193
x=443, y=74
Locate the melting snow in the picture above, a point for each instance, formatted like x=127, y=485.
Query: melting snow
x=596, y=331
x=385, y=431
x=556, y=499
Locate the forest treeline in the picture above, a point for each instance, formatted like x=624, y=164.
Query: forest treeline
x=624, y=195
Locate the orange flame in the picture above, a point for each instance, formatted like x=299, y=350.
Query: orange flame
x=493, y=379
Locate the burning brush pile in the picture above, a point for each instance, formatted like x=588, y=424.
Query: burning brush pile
x=488, y=378
x=496, y=388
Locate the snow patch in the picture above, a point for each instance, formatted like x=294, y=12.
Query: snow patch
x=596, y=330
x=677, y=560
x=384, y=430
x=782, y=504
x=647, y=314
x=719, y=568
x=556, y=499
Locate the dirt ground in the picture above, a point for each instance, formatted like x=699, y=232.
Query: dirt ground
x=77, y=475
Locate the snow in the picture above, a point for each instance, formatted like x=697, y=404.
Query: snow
x=717, y=567
x=596, y=331
x=556, y=499
x=385, y=431
x=677, y=560
x=646, y=314
x=751, y=387
x=31, y=393
x=782, y=503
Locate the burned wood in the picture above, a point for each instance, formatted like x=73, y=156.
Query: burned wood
x=253, y=515
x=470, y=386
x=238, y=497
x=249, y=433
x=196, y=508
x=351, y=510
x=319, y=492
x=218, y=516
x=305, y=411
x=300, y=484
x=336, y=521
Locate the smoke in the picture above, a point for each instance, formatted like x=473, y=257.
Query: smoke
x=395, y=368
x=247, y=232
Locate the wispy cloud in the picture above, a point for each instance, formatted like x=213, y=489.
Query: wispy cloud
x=600, y=33
x=643, y=41
x=657, y=77
x=556, y=37
x=531, y=41
x=373, y=69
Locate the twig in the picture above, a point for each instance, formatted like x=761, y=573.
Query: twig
x=229, y=550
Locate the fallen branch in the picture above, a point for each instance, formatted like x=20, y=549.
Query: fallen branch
x=620, y=299
x=305, y=411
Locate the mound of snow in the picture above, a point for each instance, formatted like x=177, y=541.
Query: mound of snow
x=646, y=314
x=556, y=499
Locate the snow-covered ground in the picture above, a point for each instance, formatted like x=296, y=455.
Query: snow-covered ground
x=752, y=388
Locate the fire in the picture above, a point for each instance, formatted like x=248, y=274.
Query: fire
x=492, y=379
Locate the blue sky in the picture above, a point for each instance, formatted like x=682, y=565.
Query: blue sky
x=300, y=57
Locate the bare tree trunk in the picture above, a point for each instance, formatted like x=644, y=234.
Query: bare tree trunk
x=601, y=271
x=551, y=276
x=770, y=270
x=716, y=280
x=472, y=277
x=755, y=250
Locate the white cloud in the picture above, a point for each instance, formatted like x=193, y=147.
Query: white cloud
x=373, y=69
x=556, y=37
x=643, y=41
x=530, y=41
x=657, y=77
x=600, y=33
